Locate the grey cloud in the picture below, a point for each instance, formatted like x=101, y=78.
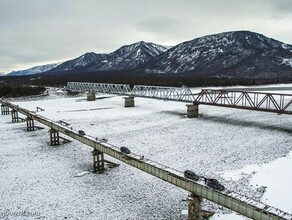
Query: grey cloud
x=283, y=6
x=35, y=31
x=163, y=28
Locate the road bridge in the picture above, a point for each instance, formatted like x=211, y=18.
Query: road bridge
x=231, y=200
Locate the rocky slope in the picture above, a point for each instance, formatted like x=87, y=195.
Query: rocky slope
x=128, y=57
x=231, y=54
x=82, y=62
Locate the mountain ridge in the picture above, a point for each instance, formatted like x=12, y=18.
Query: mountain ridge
x=33, y=70
x=127, y=57
x=233, y=54
x=239, y=53
x=85, y=60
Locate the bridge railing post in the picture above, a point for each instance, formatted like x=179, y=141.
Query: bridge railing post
x=98, y=161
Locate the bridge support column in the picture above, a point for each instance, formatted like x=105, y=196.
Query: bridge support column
x=129, y=101
x=192, y=110
x=91, y=96
x=29, y=124
x=194, y=207
x=98, y=161
x=14, y=115
x=5, y=110
x=54, y=137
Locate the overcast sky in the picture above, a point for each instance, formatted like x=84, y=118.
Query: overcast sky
x=34, y=32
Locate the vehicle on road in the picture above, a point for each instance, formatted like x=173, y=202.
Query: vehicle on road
x=191, y=175
x=125, y=150
x=81, y=132
x=213, y=183
x=103, y=140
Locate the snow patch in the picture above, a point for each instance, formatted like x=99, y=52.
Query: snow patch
x=236, y=175
x=227, y=217
x=286, y=61
x=272, y=178
x=82, y=174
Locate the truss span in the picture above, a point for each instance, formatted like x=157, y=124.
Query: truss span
x=166, y=93
x=120, y=89
x=259, y=101
x=268, y=102
x=158, y=92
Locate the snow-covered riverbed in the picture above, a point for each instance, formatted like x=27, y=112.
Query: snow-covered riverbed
x=248, y=151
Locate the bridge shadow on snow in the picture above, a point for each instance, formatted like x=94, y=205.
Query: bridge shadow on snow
x=243, y=123
x=90, y=109
x=174, y=113
x=97, y=98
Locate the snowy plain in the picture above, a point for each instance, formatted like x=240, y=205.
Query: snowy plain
x=248, y=151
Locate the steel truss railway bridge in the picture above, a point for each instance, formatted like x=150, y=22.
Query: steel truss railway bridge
x=241, y=99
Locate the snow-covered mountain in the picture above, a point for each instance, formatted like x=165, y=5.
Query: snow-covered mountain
x=132, y=56
x=83, y=62
x=127, y=57
x=33, y=70
x=237, y=54
x=232, y=54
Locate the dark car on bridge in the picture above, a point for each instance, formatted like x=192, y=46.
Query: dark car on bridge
x=213, y=183
x=191, y=175
x=125, y=150
x=81, y=132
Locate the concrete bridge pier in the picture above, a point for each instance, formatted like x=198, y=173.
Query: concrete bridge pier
x=54, y=137
x=192, y=110
x=194, y=207
x=91, y=96
x=129, y=101
x=5, y=110
x=98, y=161
x=29, y=124
x=14, y=115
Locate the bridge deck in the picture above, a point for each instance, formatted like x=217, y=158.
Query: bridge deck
x=231, y=200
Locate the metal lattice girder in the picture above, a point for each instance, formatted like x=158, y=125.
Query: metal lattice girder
x=121, y=89
x=159, y=92
x=269, y=102
x=166, y=93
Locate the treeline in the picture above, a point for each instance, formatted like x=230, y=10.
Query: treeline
x=20, y=90
x=137, y=78
x=155, y=80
